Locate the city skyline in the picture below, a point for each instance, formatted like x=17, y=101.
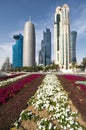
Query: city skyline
x=14, y=14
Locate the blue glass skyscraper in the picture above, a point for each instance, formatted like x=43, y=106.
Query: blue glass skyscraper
x=18, y=51
x=73, y=36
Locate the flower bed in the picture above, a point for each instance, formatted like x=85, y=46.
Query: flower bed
x=10, y=111
x=11, y=90
x=77, y=95
x=10, y=80
x=77, y=81
x=81, y=85
x=51, y=97
x=75, y=77
x=10, y=76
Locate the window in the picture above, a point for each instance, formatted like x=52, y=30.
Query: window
x=58, y=18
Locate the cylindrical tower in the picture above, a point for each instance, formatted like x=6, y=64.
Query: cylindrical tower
x=29, y=45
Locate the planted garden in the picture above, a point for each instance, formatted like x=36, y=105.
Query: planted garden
x=50, y=109
x=9, y=112
x=76, y=88
x=45, y=103
x=77, y=81
x=10, y=76
x=5, y=83
x=13, y=89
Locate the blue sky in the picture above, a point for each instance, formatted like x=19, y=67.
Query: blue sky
x=14, y=14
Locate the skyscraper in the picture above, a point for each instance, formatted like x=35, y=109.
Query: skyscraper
x=18, y=51
x=42, y=53
x=73, y=36
x=62, y=37
x=29, y=45
x=47, y=41
x=45, y=52
x=40, y=58
x=6, y=65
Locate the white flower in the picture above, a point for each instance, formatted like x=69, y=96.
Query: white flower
x=71, y=122
x=71, y=128
x=50, y=126
x=22, y=112
x=62, y=117
x=80, y=128
x=55, y=127
x=19, y=119
x=40, y=127
x=68, y=125
x=70, y=118
x=16, y=124
x=65, y=128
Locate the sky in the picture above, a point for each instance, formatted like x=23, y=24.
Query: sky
x=14, y=14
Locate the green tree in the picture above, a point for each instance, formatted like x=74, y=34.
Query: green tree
x=84, y=63
x=73, y=65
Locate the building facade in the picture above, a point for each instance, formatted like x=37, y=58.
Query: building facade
x=62, y=37
x=42, y=53
x=40, y=58
x=73, y=37
x=6, y=65
x=29, y=45
x=18, y=51
x=45, y=52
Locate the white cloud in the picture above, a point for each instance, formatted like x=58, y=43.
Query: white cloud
x=80, y=22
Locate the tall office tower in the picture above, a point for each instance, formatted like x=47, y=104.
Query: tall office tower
x=62, y=37
x=73, y=36
x=18, y=51
x=40, y=58
x=45, y=52
x=6, y=65
x=42, y=53
x=29, y=45
x=47, y=41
